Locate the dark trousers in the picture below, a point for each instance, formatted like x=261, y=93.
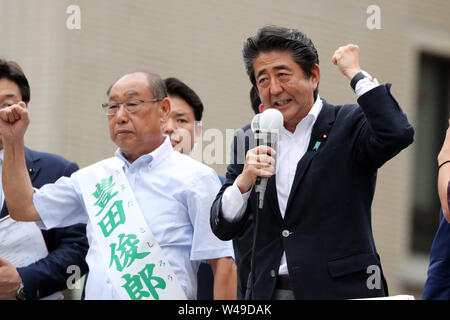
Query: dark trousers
x=205, y=280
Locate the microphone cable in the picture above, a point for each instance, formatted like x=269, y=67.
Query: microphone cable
x=255, y=233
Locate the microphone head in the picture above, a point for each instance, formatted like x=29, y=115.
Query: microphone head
x=271, y=119
x=255, y=122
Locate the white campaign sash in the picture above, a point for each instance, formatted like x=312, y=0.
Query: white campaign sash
x=134, y=262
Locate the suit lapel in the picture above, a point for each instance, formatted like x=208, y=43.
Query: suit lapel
x=319, y=135
x=31, y=161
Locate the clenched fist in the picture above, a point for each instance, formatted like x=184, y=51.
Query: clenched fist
x=9, y=280
x=347, y=60
x=14, y=122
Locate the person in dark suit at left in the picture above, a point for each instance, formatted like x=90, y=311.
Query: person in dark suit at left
x=66, y=246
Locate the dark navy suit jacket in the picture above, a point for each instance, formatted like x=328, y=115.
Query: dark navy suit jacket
x=437, y=286
x=327, y=226
x=66, y=246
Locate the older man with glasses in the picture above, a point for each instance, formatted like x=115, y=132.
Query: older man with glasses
x=146, y=208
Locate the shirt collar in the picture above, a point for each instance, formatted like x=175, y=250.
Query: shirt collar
x=316, y=108
x=153, y=158
x=311, y=117
x=1, y=155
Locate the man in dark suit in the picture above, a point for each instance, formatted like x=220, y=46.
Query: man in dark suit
x=67, y=246
x=314, y=238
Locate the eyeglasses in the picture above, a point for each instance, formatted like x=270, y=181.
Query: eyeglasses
x=131, y=106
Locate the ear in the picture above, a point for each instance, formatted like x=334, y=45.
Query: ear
x=261, y=108
x=164, y=109
x=198, y=128
x=315, y=76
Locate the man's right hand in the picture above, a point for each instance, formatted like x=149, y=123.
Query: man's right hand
x=14, y=122
x=259, y=162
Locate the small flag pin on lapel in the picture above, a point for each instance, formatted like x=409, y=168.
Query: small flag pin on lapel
x=316, y=146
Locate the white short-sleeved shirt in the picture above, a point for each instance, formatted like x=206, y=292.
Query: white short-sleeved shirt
x=174, y=193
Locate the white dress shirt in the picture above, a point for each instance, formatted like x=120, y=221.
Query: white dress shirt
x=174, y=193
x=291, y=148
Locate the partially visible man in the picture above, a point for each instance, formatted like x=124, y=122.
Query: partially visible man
x=183, y=125
x=146, y=209
x=437, y=286
x=444, y=175
x=67, y=246
x=184, y=128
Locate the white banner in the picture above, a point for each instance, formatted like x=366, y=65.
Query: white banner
x=135, y=263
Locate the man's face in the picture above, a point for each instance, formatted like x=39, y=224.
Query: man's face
x=9, y=95
x=140, y=132
x=283, y=85
x=181, y=126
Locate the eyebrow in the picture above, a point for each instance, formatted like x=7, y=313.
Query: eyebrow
x=279, y=67
x=128, y=94
x=9, y=96
x=131, y=94
x=179, y=114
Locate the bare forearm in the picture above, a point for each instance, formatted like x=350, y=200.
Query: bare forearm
x=225, y=279
x=16, y=183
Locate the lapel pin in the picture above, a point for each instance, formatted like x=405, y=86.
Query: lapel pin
x=31, y=170
x=316, y=146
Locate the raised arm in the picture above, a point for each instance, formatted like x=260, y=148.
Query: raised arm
x=444, y=175
x=16, y=182
x=382, y=129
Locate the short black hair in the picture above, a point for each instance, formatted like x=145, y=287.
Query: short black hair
x=12, y=71
x=177, y=88
x=155, y=83
x=271, y=38
x=254, y=99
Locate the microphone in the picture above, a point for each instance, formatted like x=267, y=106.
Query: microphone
x=265, y=127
